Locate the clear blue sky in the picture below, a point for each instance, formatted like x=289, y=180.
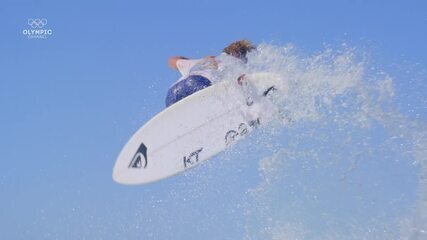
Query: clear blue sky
x=68, y=103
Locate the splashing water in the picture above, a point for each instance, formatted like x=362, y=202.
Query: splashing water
x=350, y=165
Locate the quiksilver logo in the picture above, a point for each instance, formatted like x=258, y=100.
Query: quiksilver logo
x=139, y=160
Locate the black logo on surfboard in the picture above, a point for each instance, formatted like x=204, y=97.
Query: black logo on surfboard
x=139, y=160
x=269, y=91
x=241, y=131
x=192, y=158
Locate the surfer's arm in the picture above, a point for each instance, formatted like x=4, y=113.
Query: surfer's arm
x=172, y=61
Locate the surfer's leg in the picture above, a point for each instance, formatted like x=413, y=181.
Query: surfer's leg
x=185, y=88
x=174, y=94
x=196, y=83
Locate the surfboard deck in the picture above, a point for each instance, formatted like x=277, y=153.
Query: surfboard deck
x=195, y=129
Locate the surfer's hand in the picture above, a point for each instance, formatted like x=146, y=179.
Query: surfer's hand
x=212, y=61
x=172, y=61
x=240, y=79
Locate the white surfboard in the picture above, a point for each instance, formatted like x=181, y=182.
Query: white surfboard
x=195, y=129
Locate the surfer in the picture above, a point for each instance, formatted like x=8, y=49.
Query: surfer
x=198, y=74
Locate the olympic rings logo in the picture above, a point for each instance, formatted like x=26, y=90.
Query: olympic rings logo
x=37, y=23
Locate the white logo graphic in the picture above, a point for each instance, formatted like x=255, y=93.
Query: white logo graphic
x=38, y=29
x=37, y=23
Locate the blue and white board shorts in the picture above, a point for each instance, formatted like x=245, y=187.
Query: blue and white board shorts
x=185, y=88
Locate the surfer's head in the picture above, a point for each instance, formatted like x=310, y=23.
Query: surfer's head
x=239, y=49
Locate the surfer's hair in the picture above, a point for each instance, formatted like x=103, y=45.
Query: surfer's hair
x=239, y=49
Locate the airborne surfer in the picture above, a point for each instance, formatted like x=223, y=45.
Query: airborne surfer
x=198, y=74
x=232, y=106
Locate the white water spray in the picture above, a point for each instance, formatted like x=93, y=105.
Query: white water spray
x=349, y=166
